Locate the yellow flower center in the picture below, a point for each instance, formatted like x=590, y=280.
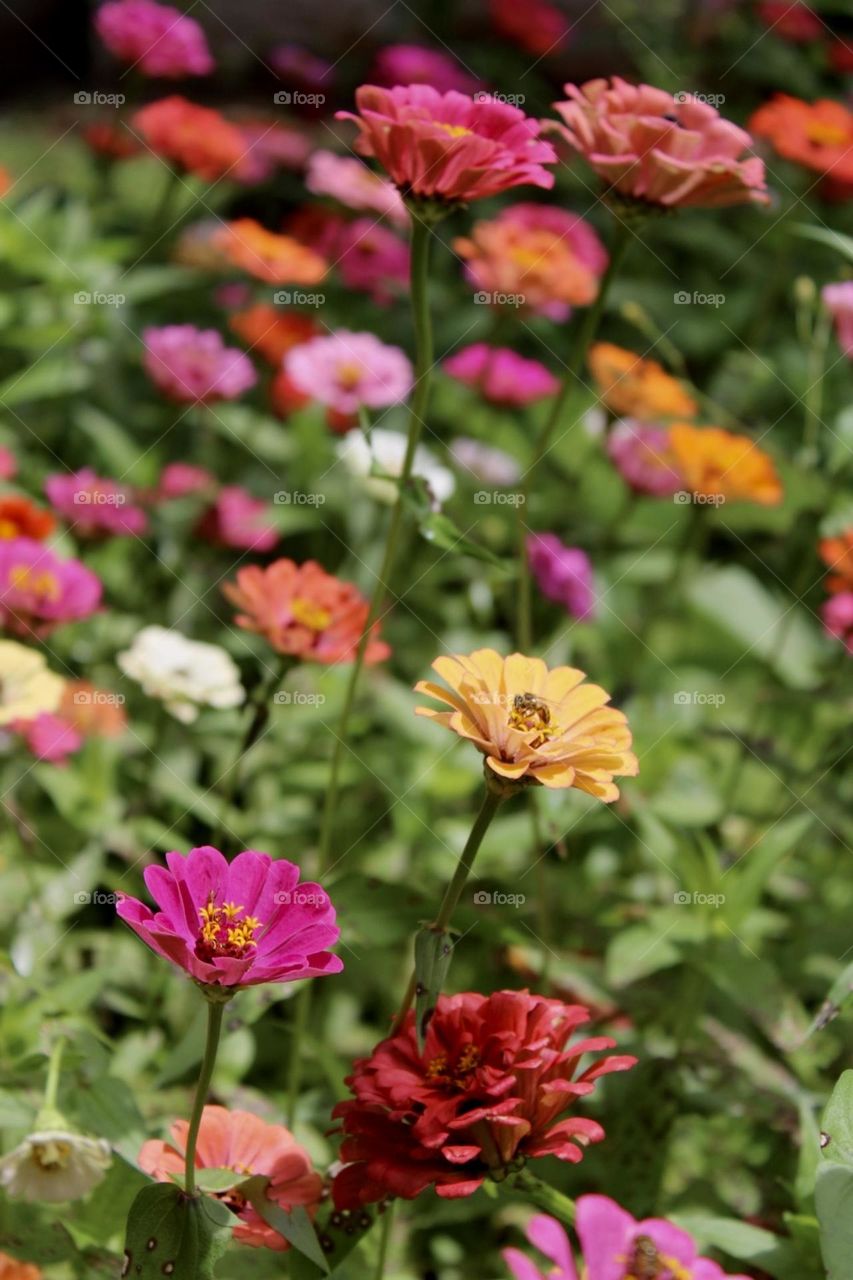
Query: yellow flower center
x=530, y=714
x=440, y=1071
x=310, y=614
x=51, y=1155
x=8, y=529
x=455, y=130
x=824, y=134
x=349, y=375
x=42, y=584
x=225, y=931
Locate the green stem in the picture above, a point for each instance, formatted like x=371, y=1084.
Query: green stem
x=215, y=1011
x=384, y=1241
x=260, y=708
x=54, y=1071
x=544, y=1197
x=586, y=333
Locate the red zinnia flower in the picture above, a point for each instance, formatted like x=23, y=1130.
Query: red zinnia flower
x=488, y=1090
x=192, y=137
x=20, y=518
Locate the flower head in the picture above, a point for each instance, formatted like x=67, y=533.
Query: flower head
x=177, y=479
x=268, y=256
x=501, y=375
x=235, y=924
x=639, y=388
x=672, y=151
x=195, y=138
x=94, y=504
x=12, y=1269
x=20, y=518
x=237, y=519
x=154, y=38
x=792, y=20
x=532, y=723
x=379, y=463
x=194, y=366
x=270, y=331
x=563, y=574
x=537, y=26
x=490, y=466
x=416, y=64
x=718, y=463
x=303, y=611
x=837, y=554
x=54, y=1165
x=8, y=465
x=184, y=674
x=492, y=1084
x=447, y=146
x=818, y=135
x=27, y=687
x=373, y=260
x=838, y=299
x=348, y=371
x=644, y=457
x=242, y=1142
x=350, y=181
x=49, y=737
x=837, y=615
x=38, y=591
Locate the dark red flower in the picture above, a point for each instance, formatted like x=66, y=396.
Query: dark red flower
x=490, y=1089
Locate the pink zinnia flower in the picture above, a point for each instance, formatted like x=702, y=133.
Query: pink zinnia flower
x=667, y=150
x=155, y=38
x=502, y=375
x=447, y=146
x=8, y=465
x=235, y=924
x=352, y=183
x=373, y=260
x=94, y=504
x=563, y=574
x=838, y=299
x=837, y=615
x=236, y=519
x=38, y=591
x=177, y=479
x=644, y=458
x=349, y=370
x=415, y=64
x=49, y=737
x=193, y=365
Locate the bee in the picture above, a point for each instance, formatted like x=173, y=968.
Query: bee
x=527, y=704
x=645, y=1261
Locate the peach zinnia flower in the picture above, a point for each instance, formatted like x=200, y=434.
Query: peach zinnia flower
x=12, y=1269
x=268, y=256
x=529, y=722
x=303, y=611
x=714, y=462
x=837, y=554
x=818, y=135
x=246, y=1144
x=636, y=387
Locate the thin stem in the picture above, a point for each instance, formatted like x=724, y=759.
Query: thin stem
x=544, y=1197
x=215, y=1011
x=54, y=1071
x=260, y=708
x=586, y=333
x=384, y=1241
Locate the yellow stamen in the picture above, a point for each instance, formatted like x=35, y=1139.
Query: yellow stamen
x=309, y=614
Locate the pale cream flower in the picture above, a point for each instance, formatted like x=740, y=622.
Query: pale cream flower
x=54, y=1165
x=185, y=674
x=27, y=686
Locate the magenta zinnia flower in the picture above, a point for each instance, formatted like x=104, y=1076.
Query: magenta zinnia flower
x=235, y=924
x=502, y=375
x=193, y=365
x=837, y=615
x=563, y=574
x=38, y=591
x=448, y=146
x=416, y=64
x=155, y=38
x=237, y=519
x=644, y=458
x=666, y=150
x=349, y=370
x=373, y=259
x=838, y=300
x=95, y=504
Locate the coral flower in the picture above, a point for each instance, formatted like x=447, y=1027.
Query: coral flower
x=838, y=300
x=502, y=375
x=537, y=27
x=637, y=387
x=818, y=135
x=154, y=38
x=349, y=370
x=27, y=687
x=38, y=591
x=242, y=1142
x=237, y=519
x=837, y=554
x=94, y=504
x=277, y=259
x=532, y=723
x=447, y=146
x=271, y=331
x=303, y=611
x=648, y=145
x=644, y=458
x=350, y=181
x=235, y=924
x=837, y=615
x=193, y=366
x=545, y=259
x=416, y=64
x=12, y=1269
x=491, y=1086
x=20, y=518
x=563, y=574
x=717, y=463
x=195, y=138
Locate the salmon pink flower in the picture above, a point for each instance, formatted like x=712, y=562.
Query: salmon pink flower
x=95, y=505
x=644, y=458
x=648, y=145
x=236, y=519
x=38, y=591
x=415, y=64
x=235, y=924
x=154, y=38
x=242, y=1142
x=191, y=137
x=818, y=135
x=303, y=611
x=348, y=371
x=501, y=375
x=563, y=574
x=838, y=300
x=20, y=518
x=194, y=366
x=837, y=615
x=491, y=1086
x=449, y=147
x=350, y=181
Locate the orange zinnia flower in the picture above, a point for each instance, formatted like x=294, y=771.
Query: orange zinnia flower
x=637, y=387
x=818, y=135
x=268, y=256
x=837, y=553
x=195, y=138
x=20, y=518
x=717, y=463
x=532, y=723
x=96, y=713
x=12, y=1269
x=272, y=332
x=303, y=611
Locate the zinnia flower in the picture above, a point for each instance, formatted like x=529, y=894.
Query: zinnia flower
x=837, y=554
x=529, y=722
x=50, y=738
x=348, y=371
x=236, y=519
x=837, y=615
x=178, y=479
x=648, y=145
x=27, y=687
x=194, y=366
x=155, y=38
x=54, y=1165
x=536, y=26
x=449, y=147
x=8, y=465
x=195, y=138
x=639, y=388
x=235, y=924
x=502, y=375
x=416, y=64
x=20, y=518
x=12, y=1269
x=717, y=463
x=644, y=457
x=94, y=504
x=300, y=67
x=488, y=465
x=184, y=674
x=115, y=141
x=373, y=260
x=491, y=1085
x=83, y=712
x=383, y=456
x=792, y=20
x=271, y=331
x=303, y=611
x=545, y=259
x=350, y=181
x=818, y=135
x=268, y=256
x=838, y=299
x=563, y=574
x=241, y=1141
x=38, y=591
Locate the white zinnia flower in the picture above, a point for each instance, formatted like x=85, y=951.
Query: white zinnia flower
x=54, y=1165
x=384, y=455
x=486, y=464
x=27, y=687
x=185, y=674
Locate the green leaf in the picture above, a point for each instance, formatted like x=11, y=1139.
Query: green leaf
x=441, y=531
x=433, y=953
x=834, y=1202
x=837, y=1123
x=26, y=1234
x=172, y=1234
x=838, y=993
x=295, y=1226
x=842, y=244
